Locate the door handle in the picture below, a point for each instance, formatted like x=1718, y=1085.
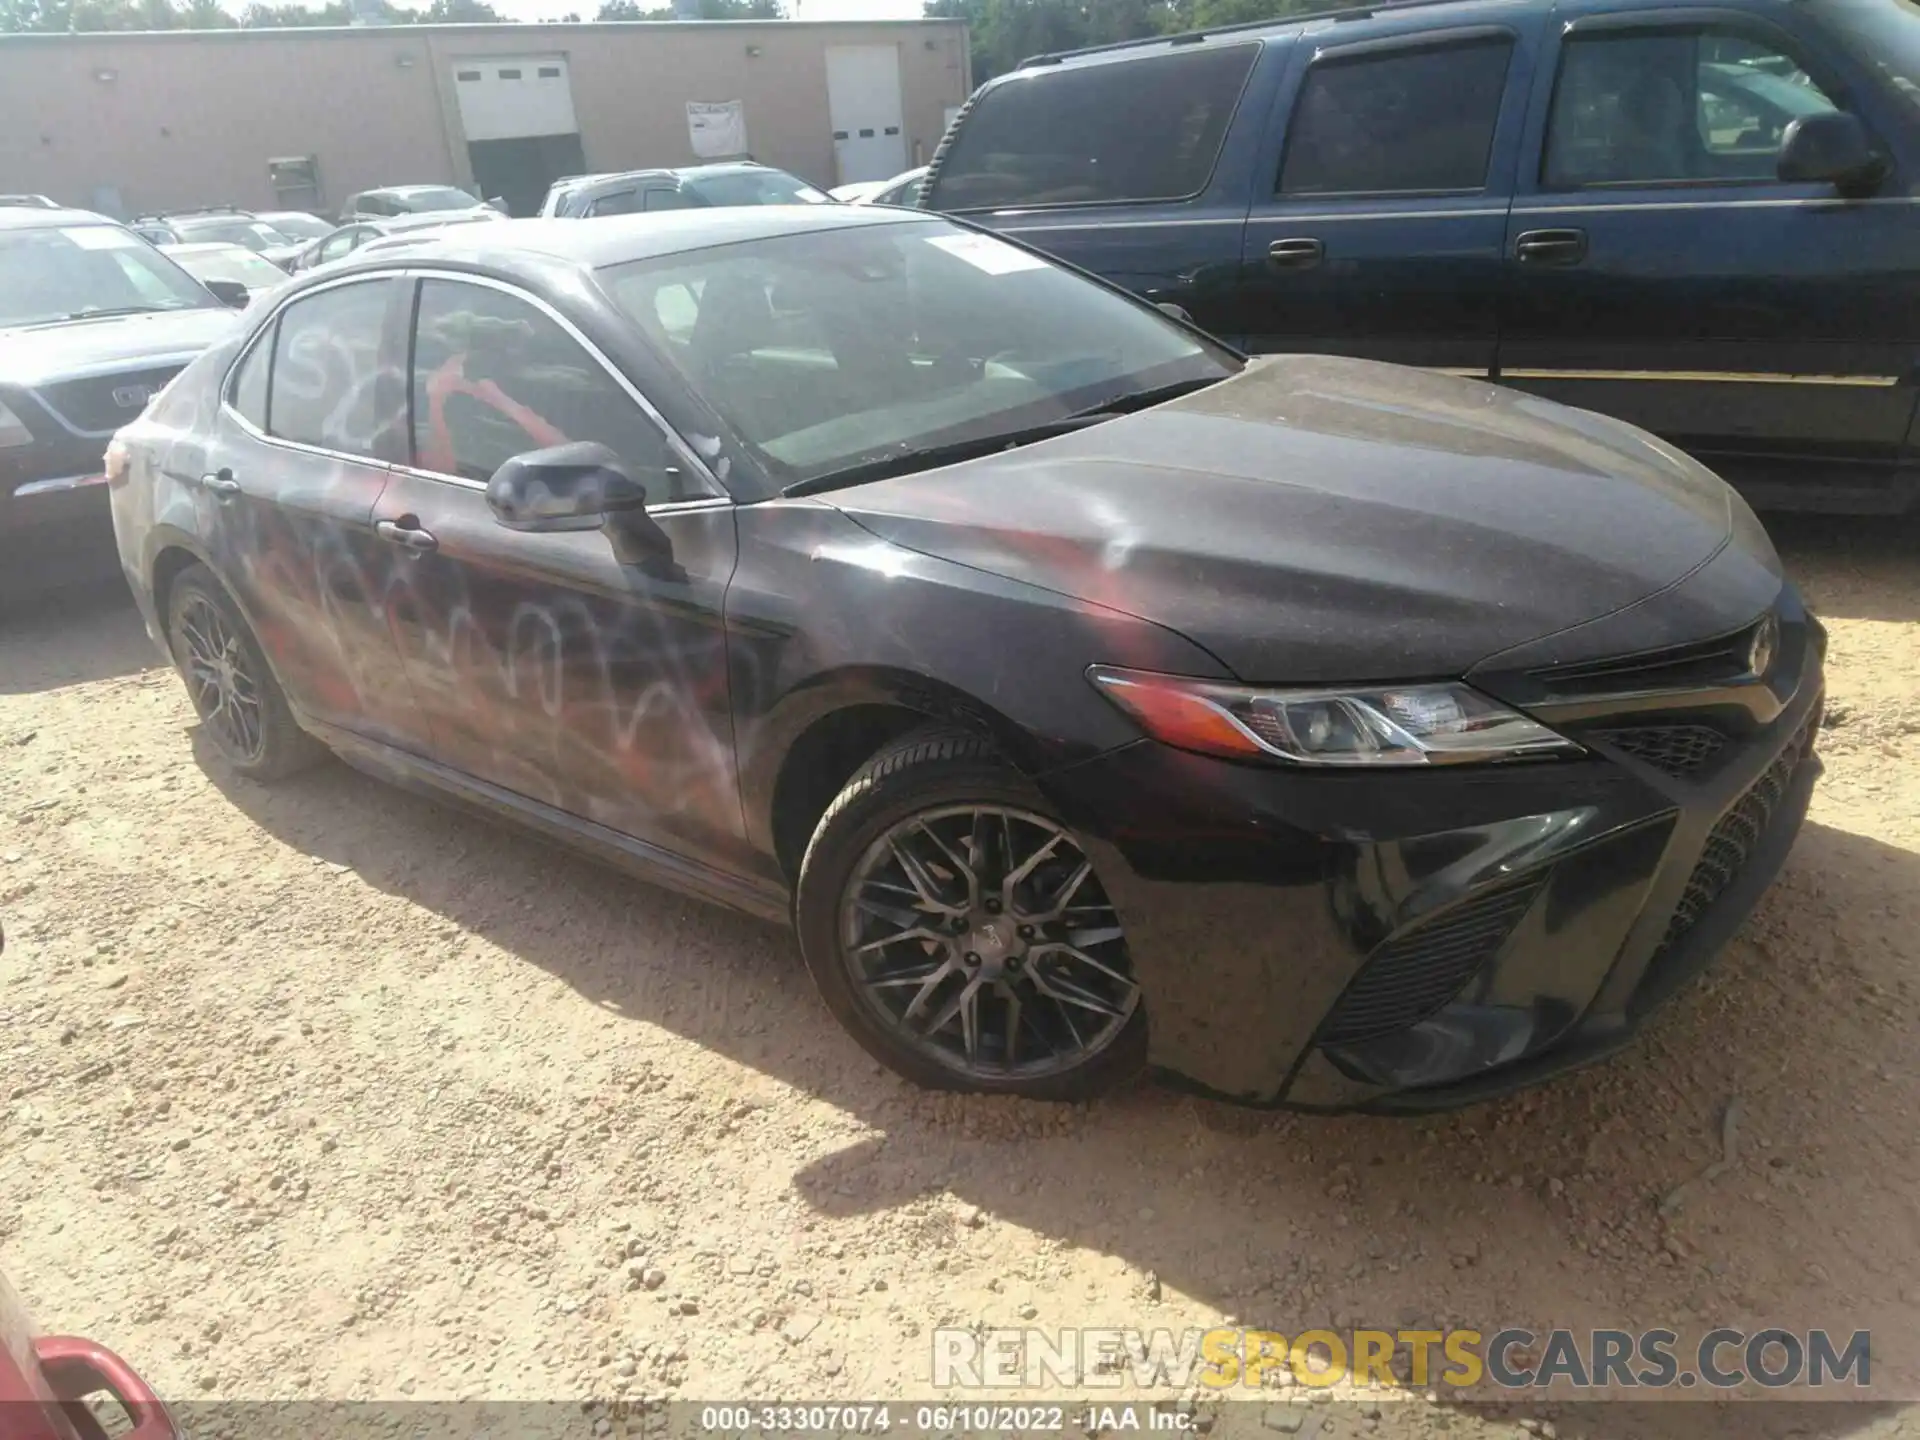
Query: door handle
x=411, y=536
x=1297, y=254
x=1551, y=247
x=221, y=485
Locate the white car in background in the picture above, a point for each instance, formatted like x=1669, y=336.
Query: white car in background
x=902, y=189
x=222, y=260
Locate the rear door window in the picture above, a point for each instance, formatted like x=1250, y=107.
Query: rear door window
x=618, y=202
x=1127, y=130
x=326, y=381
x=1417, y=120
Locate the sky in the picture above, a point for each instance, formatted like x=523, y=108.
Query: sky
x=798, y=9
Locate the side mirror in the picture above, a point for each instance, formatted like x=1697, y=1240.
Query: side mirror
x=1830, y=147
x=230, y=293
x=1178, y=312
x=565, y=487
x=495, y=202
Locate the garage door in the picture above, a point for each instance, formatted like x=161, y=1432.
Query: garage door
x=863, y=103
x=505, y=98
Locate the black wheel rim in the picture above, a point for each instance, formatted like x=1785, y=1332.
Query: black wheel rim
x=981, y=936
x=225, y=693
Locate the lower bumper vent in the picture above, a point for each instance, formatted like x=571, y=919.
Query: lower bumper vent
x=1419, y=970
x=1681, y=751
x=1731, y=841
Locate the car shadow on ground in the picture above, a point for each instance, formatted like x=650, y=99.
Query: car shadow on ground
x=78, y=633
x=1537, y=1211
x=1863, y=569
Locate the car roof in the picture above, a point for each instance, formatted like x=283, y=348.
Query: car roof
x=618, y=239
x=408, y=189
x=33, y=218
x=676, y=172
x=1284, y=25
x=204, y=247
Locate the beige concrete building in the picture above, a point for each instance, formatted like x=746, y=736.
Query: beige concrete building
x=138, y=122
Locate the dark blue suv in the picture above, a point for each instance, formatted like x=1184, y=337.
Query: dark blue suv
x=1702, y=218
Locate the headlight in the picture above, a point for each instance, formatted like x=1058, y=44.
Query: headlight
x=12, y=432
x=1375, y=725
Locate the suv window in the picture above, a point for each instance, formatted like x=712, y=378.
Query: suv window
x=495, y=377
x=1418, y=119
x=662, y=197
x=1673, y=107
x=326, y=368
x=1145, y=129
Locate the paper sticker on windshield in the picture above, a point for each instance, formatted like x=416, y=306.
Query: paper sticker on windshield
x=983, y=252
x=103, y=237
x=811, y=195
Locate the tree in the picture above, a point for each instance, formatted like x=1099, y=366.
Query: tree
x=463, y=12
x=1005, y=32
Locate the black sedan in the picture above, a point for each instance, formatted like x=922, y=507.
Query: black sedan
x=1316, y=731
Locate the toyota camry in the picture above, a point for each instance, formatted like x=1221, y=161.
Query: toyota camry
x=1088, y=698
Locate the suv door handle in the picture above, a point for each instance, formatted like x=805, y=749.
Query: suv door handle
x=1296, y=254
x=406, y=531
x=1551, y=247
x=221, y=485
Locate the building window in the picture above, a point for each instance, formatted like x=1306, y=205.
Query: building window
x=509, y=74
x=466, y=75
x=549, y=72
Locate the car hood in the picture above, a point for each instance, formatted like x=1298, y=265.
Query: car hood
x=38, y=354
x=1316, y=519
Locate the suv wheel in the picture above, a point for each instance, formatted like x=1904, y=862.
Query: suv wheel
x=233, y=692
x=956, y=927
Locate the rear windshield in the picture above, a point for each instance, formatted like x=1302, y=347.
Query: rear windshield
x=752, y=187
x=1146, y=129
x=438, y=199
x=1884, y=36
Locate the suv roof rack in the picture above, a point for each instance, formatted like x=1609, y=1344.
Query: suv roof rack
x=1336, y=11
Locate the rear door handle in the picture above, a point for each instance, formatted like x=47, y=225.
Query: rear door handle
x=1296, y=254
x=1551, y=247
x=407, y=533
x=221, y=484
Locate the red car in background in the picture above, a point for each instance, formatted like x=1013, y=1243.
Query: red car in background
x=45, y=1380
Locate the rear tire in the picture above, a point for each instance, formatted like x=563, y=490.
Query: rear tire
x=994, y=962
x=242, y=710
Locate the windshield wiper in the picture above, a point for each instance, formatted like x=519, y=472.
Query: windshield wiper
x=102, y=312
x=1141, y=399
x=928, y=457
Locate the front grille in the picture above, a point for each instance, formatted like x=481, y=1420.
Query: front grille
x=1722, y=660
x=1732, y=840
x=1681, y=751
x=103, y=403
x=1418, y=971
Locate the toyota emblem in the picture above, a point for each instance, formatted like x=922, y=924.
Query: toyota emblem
x=1760, y=650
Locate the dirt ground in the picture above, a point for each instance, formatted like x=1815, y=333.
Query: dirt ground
x=322, y=1091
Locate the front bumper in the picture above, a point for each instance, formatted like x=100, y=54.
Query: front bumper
x=1415, y=940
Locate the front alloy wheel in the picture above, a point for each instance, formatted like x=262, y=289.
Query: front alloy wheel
x=961, y=932
x=982, y=935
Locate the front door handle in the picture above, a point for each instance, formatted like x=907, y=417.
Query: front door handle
x=221, y=485
x=1296, y=254
x=1551, y=247
x=406, y=532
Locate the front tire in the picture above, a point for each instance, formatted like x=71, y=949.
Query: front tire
x=955, y=926
x=241, y=707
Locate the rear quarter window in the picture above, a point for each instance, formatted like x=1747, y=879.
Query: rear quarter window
x=1129, y=130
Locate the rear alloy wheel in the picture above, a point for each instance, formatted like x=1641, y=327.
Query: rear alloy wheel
x=232, y=690
x=961, y=932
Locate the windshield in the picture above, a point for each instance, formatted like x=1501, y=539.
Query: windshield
x=230, y=263
x=254, y=234
x=1884, y=35
x=754, y=187
x=296, y=226
x=438, y=198
x=71, y=271
x=836, y=349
